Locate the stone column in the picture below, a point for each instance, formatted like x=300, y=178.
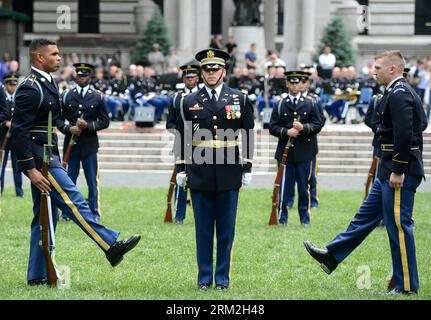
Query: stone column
x=228, y=9
x=186, y=32
x=143, y=13
x=201, y=25
x=291, y=39
x=269, y=23
x=170, y=12
x=308, y=32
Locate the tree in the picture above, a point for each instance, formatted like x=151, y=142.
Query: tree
x=335, y=36
x=155, y=32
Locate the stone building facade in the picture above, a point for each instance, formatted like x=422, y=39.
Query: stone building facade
x=292, y=27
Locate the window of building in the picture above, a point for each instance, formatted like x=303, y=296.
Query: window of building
x=88, y=16
x=160, y=4
x=26, y=7
x=216, y=13
x=423, y=17
x=280, y=17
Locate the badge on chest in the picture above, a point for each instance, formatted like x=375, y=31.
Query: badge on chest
x=233, y=111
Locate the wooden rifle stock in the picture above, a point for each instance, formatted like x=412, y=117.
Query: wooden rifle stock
x=277, y=184
x=370, y=178
x=172, y=183
x=45, y=216
x=72, y=142
x=4, y=144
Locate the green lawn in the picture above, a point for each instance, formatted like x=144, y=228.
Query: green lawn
x=268, y=262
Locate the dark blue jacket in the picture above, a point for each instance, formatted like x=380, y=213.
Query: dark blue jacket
x=34, y=98
x=302, y=148
x=93, y=108
x=206, y=126
x=399, y=131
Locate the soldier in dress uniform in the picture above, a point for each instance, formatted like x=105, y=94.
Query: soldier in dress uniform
x=400, y=172
x=295, y=117
x=10, y=81
x=83, y=114
x=190, y=78
x=209, y=163
x=37, y=97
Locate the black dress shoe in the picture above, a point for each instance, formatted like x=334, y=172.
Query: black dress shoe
x=398, y=291
x=204, y=287
x=327, y=262
x=120, y=248
x=221, y=287
x=37, y=282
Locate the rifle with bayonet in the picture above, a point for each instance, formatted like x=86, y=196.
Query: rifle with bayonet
x=278, y=182
x=46, y=218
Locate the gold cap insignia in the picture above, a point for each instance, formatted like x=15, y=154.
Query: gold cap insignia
x=210, y=54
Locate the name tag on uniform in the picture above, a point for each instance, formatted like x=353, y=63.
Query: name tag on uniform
x=196, y=107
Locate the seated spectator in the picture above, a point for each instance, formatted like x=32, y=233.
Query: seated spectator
x=251, y=57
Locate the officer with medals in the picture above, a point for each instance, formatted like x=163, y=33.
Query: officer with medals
x=295, y=117
x=11, y=82
x=209, y=163
x=391, y=198
x=83, y=114
x=36, y=98
x=190, y=78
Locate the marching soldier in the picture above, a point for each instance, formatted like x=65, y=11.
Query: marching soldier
x=11, y=81
x=399, y=130
x=190, y=79
x=295, y=117
x=210, y=163
x=37, y=97
x=85, y=112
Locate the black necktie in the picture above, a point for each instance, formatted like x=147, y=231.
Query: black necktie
x=82, y=93
x=295, y=100
x=213, y=97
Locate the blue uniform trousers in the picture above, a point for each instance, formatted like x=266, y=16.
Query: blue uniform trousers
x=290, y=187
x=298, y=172
x=17, y=177
x=214, y=209
x=180, y=203
x=65, y=196
x=90, y=166
x=396, y=209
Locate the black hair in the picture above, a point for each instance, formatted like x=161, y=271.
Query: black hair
x=37, y=44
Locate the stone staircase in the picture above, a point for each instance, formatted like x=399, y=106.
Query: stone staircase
x=341, y=152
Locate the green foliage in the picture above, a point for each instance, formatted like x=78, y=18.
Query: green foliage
x=335, y=36
x=156, y=31
x=268, y=262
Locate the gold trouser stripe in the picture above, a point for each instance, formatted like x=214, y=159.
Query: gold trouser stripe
x=214, y=144
x=316, y=169
x=76, y=213
x=401, y=239
x=309, y=190
x=97, y=186
x=230, y=261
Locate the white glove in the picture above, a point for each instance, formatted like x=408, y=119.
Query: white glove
x=246, y=178
x=181, y=179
